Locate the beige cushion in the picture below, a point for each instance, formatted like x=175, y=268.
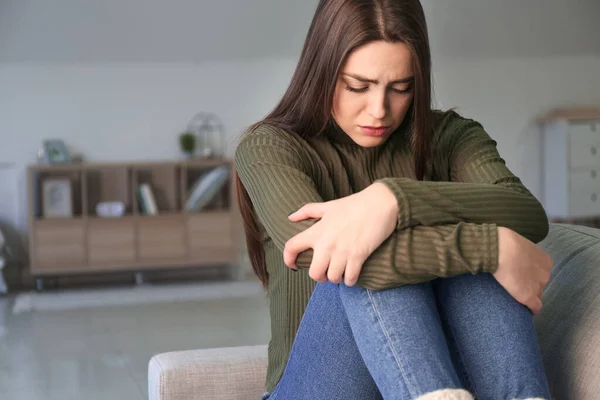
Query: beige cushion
x=236, y=373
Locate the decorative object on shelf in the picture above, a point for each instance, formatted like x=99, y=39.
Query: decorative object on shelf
x=54, y=151
x=187, y=143
x=110, y=209
x=206, y=187
x=210, y=131
x=57, y=198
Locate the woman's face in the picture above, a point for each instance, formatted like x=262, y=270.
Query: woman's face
x=373, y=92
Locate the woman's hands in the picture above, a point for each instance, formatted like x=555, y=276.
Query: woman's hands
x=349, y=231
x=523, y=268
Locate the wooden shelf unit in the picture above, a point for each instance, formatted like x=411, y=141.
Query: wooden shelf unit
x=175, y=238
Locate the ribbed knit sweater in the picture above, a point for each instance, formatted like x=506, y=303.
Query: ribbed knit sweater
x=447, y=223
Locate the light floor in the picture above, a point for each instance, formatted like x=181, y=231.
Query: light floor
x=103, y=353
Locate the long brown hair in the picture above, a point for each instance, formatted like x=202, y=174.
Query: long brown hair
x=339, y=27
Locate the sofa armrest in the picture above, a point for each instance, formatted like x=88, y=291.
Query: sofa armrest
x=235, y=373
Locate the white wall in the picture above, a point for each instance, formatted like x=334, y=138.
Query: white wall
x=513, y=28
x=150, y=31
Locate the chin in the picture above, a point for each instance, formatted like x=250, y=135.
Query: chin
x=370, y=141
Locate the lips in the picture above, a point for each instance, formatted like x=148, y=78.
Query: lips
x=376, y=131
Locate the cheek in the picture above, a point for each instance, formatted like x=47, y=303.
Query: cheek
x=401, y=106
x=346, y=104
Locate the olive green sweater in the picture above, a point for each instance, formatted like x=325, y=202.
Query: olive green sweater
x=447, y=223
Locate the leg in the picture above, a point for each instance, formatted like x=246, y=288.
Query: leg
x=400, y=336
x=39, y=284
x=325, y=362
x=494, y=338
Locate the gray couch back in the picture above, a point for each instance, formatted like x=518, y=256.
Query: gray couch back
x=569, y=324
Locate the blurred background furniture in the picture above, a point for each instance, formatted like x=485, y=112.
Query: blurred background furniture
x=571, y=165
x=567, y=327
x=159, y=234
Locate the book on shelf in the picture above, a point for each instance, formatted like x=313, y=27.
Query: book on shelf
x=146, y=200
x=140, y=200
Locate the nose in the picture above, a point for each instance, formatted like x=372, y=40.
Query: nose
x=378, y=105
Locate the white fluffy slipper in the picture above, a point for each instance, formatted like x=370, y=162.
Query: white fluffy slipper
x=447, y=394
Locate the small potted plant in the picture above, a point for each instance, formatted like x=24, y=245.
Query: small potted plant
x=187, y=143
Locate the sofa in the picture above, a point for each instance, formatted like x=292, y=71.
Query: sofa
x=568, y=329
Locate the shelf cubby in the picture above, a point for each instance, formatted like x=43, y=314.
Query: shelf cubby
x=221, y=201
x=163, y=181
x=38, y=183
x=108, y=184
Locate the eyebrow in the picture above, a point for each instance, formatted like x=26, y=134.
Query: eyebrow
x=374, y=81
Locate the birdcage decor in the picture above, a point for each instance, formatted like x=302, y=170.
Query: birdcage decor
x=210, y=133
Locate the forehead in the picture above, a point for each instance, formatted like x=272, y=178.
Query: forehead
x=379, y=60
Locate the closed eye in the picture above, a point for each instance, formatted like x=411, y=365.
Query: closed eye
x=357, y=90
x=402, y=91
x=364, y=89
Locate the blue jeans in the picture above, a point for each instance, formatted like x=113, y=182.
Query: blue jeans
x=462, y=332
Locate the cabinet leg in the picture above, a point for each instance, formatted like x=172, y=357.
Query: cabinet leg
x=39, y=284
x=139, y=278
x=236, y=272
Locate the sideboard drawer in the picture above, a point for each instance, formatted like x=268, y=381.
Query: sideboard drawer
x=584, y=145
x=57, y=232
x=584, y=193
x=161, y=238
x=60, y=256
x=210, y=229
x=111, y=240
x=59, y=244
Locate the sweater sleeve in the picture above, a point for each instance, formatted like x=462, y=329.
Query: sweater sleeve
x=481, y=189
x=277, y=177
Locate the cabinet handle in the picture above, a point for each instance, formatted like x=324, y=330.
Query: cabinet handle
x=594, y=173
x=594, y=150
x=594, y=197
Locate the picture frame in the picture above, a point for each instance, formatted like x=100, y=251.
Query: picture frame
x=57, y=198
x=56, y=152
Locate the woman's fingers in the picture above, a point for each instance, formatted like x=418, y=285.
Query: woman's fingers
x=535, y=305
x=319, y=265
x=296, y=245
x=337, y=267
x=310, y=210
x=353, y=268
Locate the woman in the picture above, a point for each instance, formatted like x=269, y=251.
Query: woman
x=395, y=245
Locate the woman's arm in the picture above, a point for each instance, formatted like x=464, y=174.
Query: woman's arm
x=274, y=171
x=422, y=253
x=482, y=189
